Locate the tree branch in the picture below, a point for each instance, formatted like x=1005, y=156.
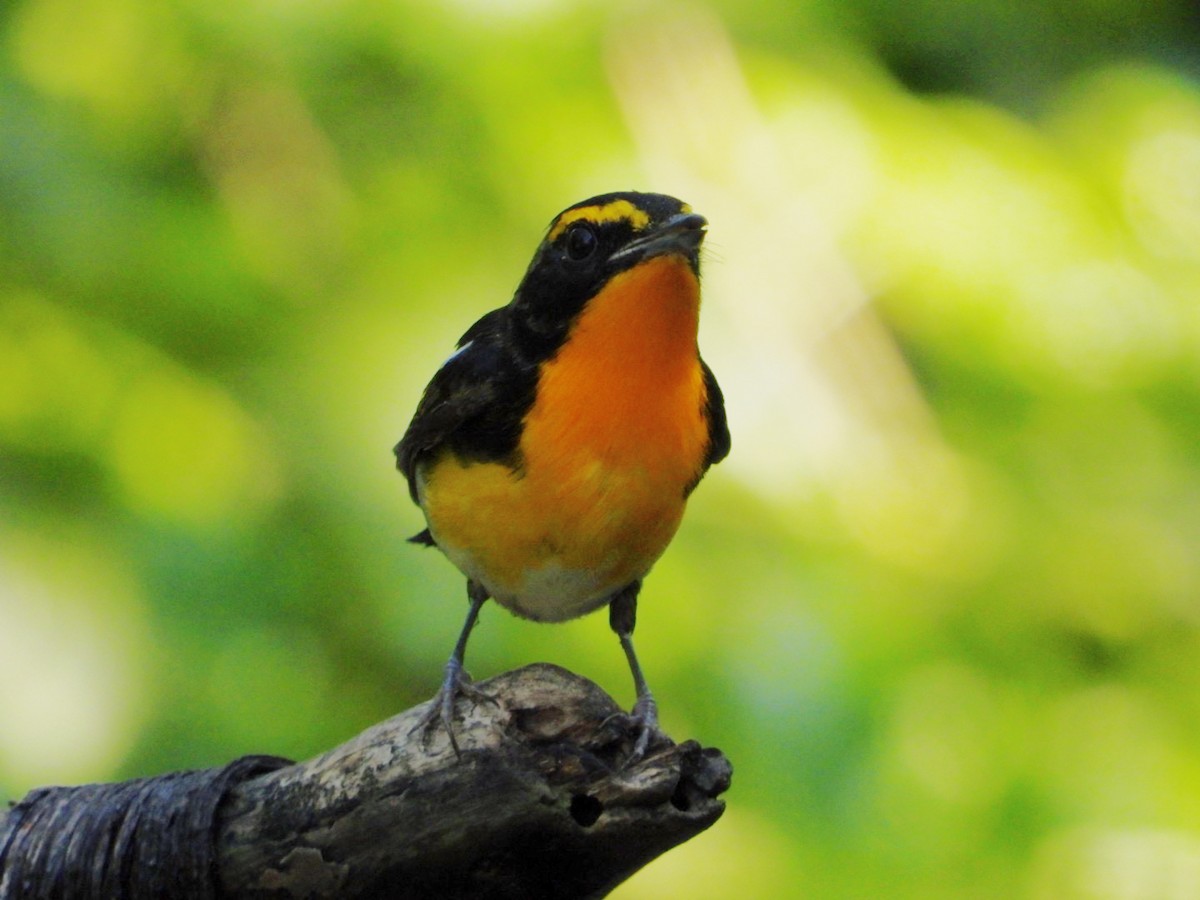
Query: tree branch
x=541, y=803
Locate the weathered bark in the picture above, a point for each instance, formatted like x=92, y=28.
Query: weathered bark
x=541, y=803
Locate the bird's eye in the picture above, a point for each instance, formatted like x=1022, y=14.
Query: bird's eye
x=581, y=242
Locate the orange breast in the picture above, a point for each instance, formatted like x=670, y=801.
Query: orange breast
x=613, y=439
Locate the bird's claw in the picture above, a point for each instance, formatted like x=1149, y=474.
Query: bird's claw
x=644, y=721
x=441, y=708
x=645, y=716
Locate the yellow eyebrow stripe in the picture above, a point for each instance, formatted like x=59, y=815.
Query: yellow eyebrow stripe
x=616, y=211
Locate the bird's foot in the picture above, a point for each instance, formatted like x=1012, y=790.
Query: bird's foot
x=642, y=721
x=456, y=683
x=645, y=717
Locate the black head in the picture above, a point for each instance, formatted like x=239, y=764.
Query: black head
x=586, y=245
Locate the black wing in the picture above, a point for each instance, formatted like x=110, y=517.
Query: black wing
x=714, y=410
x=470, y=405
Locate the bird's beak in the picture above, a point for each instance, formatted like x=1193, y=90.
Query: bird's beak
x=682, y=234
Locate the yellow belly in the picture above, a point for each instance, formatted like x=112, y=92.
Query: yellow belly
x=549, y=548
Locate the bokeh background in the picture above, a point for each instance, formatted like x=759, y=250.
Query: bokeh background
x=941, y=606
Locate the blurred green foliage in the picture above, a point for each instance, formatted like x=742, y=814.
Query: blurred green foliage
x=941, y=605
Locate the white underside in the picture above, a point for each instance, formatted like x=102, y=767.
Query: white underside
x=555, y=594
x=548, y=594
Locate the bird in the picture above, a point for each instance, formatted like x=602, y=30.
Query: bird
x=554, y=451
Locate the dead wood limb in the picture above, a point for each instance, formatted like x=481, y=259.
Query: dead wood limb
x=541, y=803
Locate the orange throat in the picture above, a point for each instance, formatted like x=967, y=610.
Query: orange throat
x=626, y=385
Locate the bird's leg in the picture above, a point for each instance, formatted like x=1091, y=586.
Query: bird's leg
x=456, y=681
x=622, y=616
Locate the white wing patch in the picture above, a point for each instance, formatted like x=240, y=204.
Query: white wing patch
x=457, y=353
